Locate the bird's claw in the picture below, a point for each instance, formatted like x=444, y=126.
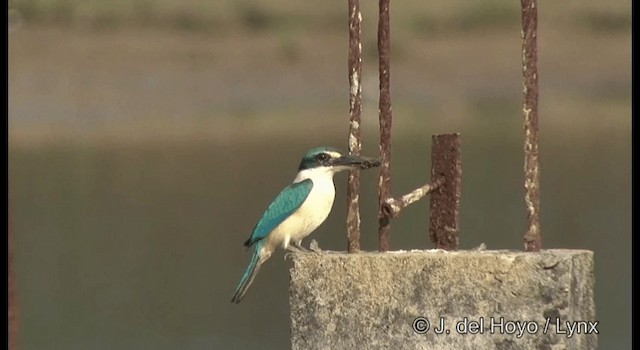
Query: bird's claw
x=314, y=246
x=301, y=248
x=481, y=247
x=295, y=249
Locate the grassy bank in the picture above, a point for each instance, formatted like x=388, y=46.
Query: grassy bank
x=411, y=17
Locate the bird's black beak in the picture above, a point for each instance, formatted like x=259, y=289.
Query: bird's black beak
x=355, y=161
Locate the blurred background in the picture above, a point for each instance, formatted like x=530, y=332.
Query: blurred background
x=146, y=138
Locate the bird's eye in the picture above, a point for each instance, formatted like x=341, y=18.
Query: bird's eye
x=323, y=156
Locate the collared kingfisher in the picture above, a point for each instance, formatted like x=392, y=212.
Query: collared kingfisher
x=299, y=209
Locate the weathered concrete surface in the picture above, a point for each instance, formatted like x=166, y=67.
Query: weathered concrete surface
x=371, y=300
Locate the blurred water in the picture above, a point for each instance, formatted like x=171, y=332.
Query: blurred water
x=139, y=246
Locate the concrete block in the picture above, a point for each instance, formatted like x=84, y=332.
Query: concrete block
x=486, y=300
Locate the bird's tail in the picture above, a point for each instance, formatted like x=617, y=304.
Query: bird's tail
x=249, y=274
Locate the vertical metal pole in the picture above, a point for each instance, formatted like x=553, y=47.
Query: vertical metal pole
x=445, y=201
x=384, y=183
x=355, y=111
x=532, y=240
x=13, y=295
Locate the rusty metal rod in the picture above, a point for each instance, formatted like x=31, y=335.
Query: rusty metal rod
x=384, y=183
x=355, y=111
x=393, y=206
x=445, y=201
x=532, y=240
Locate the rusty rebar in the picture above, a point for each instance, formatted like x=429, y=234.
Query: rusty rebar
x=355, y=111
x=393, y=206
x=13, y=291
x=445, y=201
x=384, y=183
x=532, y=240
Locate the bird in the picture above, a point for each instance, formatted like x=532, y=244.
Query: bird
x=299, y=208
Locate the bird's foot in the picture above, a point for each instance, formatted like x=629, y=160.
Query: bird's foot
x=314, y=246
x=294, y=248
x=481, y=247
x=299, y=246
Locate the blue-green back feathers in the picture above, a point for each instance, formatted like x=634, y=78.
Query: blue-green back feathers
x=288, y=201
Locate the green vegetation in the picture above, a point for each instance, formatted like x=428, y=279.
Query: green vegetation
x=477, y=16
x=410, y=16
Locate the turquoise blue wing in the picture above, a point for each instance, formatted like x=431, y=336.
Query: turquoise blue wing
x=288, y=201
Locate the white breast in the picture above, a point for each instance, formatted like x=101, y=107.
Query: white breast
x=311, y=213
